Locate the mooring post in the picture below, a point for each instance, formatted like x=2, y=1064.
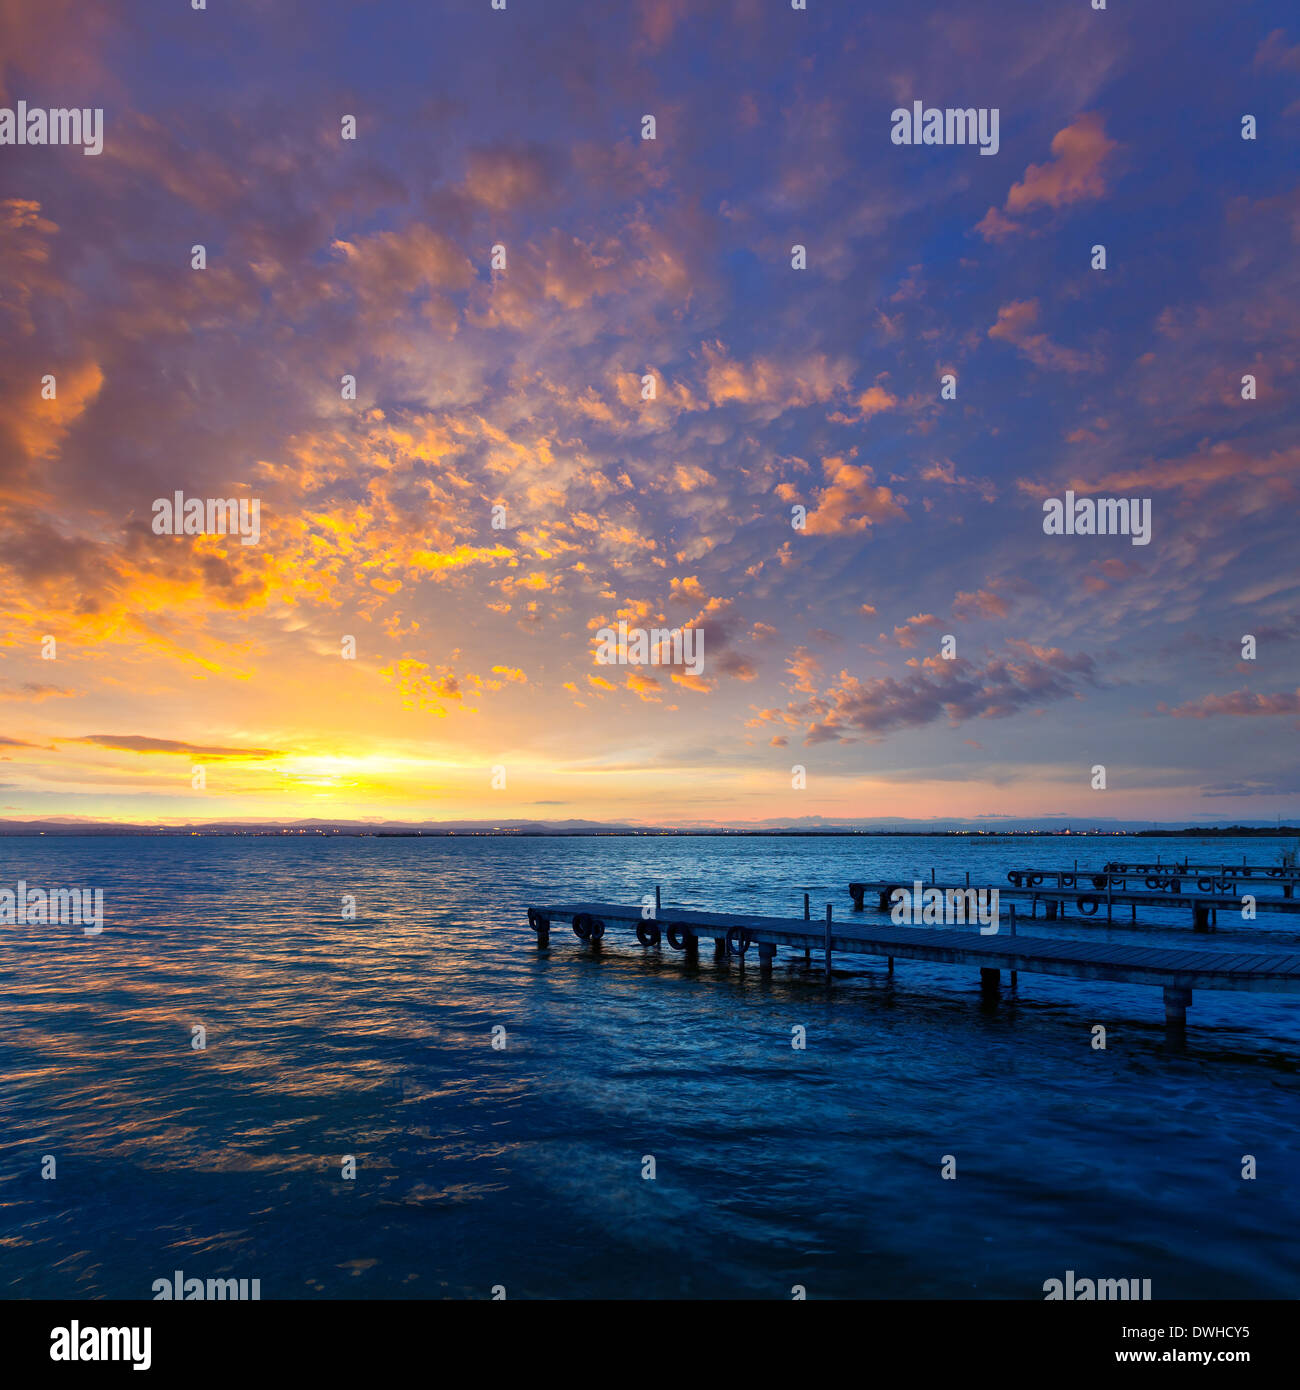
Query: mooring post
x=967, y=878
x=990, y=980
x=807, y=916
x=1014, y=973
x=719, y=948
x=766, y=957
x=1053, y=907
x=1109, y=900
x=692, y=944
x=656, y=900
x=828, y=942
x=1201, y=917
x=1177, y=998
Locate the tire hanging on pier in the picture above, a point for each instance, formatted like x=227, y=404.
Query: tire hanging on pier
x=539, y=921
x=588, y=928
x=737, y=941
x=676, y=938
x=1088, y=906
x=647, y=933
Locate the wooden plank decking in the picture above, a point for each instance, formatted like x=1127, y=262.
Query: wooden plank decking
x=1172, y=866
x=1176, y=970
x=1204, y=905
x=1167, y=879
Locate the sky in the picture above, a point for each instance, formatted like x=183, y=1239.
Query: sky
x=475, y=690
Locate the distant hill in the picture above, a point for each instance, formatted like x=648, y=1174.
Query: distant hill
x=808, y=825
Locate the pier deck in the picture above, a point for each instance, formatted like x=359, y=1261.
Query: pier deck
x=1168, y=879
x=1176, y=970
x=1242, y=870
x=1089, y=901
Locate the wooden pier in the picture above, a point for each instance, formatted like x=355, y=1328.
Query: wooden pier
x=1286, y=876
x=1088, y=901
x=1178, y=971
x=1166, y=880
x=1242, y=870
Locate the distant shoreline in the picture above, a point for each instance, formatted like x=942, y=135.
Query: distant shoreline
x=1235, y=832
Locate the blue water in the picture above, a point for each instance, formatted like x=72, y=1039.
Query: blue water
x=522, y=1167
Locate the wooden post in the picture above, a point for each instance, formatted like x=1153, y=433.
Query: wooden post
x=828, y=943
x=807, y=916
x=656, y=900
x=990, y=980
x=1014, y=973
x=766, y=957
x=1176, y=1001
x=1109, y=903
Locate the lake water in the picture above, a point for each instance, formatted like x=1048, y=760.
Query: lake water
x=522, y=1167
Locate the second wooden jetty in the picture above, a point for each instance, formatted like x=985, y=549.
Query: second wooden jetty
x=1088, y=901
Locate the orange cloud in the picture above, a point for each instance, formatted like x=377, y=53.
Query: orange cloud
x=1014, y=325
x=851, y=501
x=1075, y=173
x=1239, y=703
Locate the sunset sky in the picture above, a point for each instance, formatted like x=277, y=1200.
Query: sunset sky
x=775, y=387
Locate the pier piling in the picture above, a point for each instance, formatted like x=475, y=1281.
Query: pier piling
x=1177, y=998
